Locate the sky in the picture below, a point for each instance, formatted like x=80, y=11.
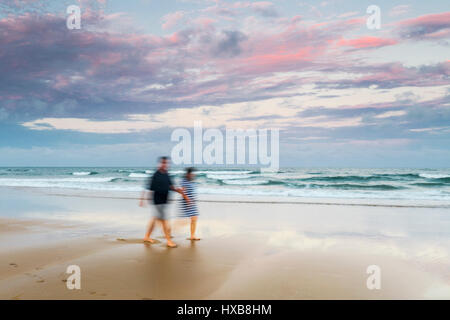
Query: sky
x=112, y=92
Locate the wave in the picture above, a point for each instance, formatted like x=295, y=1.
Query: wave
x=400, y=175
x=429, y=184
x=122, y=180
x=18, y=170
x=224, y=172
x=84, y=173
x=349, y=186
x=434, y=176
x=245, y=182
x=227, y=176
x=56, y=180
x=256, y=182
x=364, y=178
x=344, y=178
x=64, y=183
x=443, y=180
x=138, y=175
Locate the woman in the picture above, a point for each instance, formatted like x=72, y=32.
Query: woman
x=189, y=210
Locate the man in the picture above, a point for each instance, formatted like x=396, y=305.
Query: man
x=160, y=184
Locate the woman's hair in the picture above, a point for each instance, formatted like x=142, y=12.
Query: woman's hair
x=189, y=171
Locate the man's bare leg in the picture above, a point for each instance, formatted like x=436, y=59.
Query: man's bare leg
x=193, y=227
x=169, y=229
x=150, y=228
x=166, y=230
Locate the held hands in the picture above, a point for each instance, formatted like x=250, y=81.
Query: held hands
x=185, y=197
x=188, y=201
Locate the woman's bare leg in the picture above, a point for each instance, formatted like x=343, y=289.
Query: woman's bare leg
x=193, y=228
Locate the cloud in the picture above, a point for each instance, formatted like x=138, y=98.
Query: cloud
x=283, y=113
x=367, y=42
x=390, y=114
x=294, y=74
x=15, y=6
x=172, y=19
x=101, y=71
x=229, y=43
x=264, y=8
x=426, y=27
x=394, y=75
x=348, y=14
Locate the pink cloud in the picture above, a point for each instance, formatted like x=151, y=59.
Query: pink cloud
x=430, y=26
x=60, y=82
x=172, y=19
x=429, y=19
x=204, y=22
x=201, y=64
x=270, y=62
x=367, y=42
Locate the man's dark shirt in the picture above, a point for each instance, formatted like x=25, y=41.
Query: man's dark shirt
x=160, y=184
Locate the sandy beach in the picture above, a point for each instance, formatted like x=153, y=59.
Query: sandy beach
x=249, y=250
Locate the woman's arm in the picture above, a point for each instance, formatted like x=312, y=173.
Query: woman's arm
x=183, y=194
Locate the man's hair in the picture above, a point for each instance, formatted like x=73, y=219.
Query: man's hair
x=163, y=158
x=189, y=170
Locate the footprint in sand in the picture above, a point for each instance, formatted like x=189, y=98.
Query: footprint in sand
x=12, y=264
x=31, y=275
x=40, y=281
x=137, y=241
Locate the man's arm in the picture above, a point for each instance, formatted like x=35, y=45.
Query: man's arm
x=146, y=192
x=181, y=191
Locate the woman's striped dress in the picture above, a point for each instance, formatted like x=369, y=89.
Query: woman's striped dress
x=189, y=210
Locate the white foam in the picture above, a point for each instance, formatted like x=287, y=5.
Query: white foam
x=433, y=175
x=227, y=176
x=225, y=172
x=245, y=182
x=175, y=172
x=69, y=183
x=82, y=173
x=138, y=175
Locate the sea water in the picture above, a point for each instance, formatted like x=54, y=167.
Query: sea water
x=409, y=184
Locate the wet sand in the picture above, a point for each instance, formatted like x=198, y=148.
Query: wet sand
x=247, y=251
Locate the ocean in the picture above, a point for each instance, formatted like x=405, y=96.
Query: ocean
x=406, y=184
